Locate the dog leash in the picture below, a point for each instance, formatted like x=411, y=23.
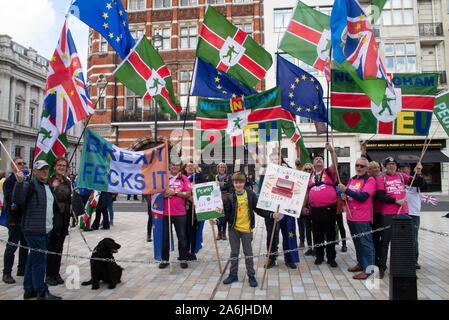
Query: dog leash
x=84, y=239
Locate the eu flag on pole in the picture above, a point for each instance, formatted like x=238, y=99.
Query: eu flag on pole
x=157, y=211
x=289, y=240
x=209, y=82
x=108, y=17
x=301, y=92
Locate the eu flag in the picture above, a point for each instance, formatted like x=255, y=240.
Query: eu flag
x=289, y=240
x=212, y=83
x=108, y=17
x=301, y=92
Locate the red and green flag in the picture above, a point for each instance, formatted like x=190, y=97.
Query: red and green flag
x=145, y=73
x=231, y=50
x=243, y=121
x=308, y=36
x=90, y=209
x=407, y=112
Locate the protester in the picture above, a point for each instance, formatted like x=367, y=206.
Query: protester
x=14, y=213
x=225, y=187
x=358, y=195
x=41, y=216
x=374, y=171
x=305, y=220
x=249, y=184
x=414, y=205
x=322, y=197
x=111, y=208
x=102, y=211
x=150, y=218
x=62, y=190
x=391, y=191
x=239, y=208
x=174, y=204
x=193, y=172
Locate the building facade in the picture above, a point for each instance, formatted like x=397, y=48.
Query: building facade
x=23, y=74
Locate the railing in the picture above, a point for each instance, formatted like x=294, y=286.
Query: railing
x=431, y=29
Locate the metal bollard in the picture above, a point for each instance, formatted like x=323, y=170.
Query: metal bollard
x=402, y=259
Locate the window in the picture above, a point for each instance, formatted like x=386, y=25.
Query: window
x=188, y=37
x=400, y=57
x=136, y=34
x=166, y=37
x=242, y=1
x=17, y=151
x=136, y=4
x=103, y=45
x=188, y=3
x=397, y=12
x=282, y=19
x=184, y=84
x=215, y=1
x=17, y=108
x=247, y=27
x=31, y=156
x=342, y=152
x=101, y=98
x=32, y=116
x=89, y=51
x=133, y=103
x=161, y=3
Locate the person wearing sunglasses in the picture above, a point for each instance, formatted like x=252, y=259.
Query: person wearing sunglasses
x=358, y=194
x=14, y=215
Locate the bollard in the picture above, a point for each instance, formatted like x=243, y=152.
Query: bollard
x=402, y=259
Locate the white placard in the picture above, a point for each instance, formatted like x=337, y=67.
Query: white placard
x=208, y=201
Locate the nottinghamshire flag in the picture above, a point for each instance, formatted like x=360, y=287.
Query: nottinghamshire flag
x=249, y=120
x=408, y=112
x=144, y=72
x=231, y=50
x=308, y=36
x=89, y=210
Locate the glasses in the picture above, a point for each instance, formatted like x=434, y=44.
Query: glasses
x=21, y=163
x=360, y=166
x=307, y=169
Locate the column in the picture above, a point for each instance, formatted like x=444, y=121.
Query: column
x=12, y=99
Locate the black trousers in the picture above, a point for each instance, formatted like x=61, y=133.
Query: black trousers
x=269, y=223
x=377, y=236
x=191, y=230
x=222, y=224
x=180, y=227
x=305, y=229
x=149, y=223
x=323, y=225
x=341, y=226
x=101, y=212
x=385, y=240
x=55, y=244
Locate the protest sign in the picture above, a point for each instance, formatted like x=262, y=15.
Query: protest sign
x=285, y=187
x=208, y=201
x=106, y=167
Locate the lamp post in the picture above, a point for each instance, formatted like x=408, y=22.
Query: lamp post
x=157, y=43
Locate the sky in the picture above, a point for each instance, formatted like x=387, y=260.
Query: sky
x=38, y=24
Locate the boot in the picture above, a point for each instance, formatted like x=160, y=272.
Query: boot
x=219, y=235
x=223, y=236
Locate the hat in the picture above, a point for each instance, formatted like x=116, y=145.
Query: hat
x=297, y=162
x=403, y=164
x=389, y=159
x=40, y=164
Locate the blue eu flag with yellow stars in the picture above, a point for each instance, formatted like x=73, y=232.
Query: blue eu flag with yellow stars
x=301, y=92
x=108, y=17
x=210, y=82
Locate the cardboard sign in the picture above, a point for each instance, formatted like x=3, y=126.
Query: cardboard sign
x=284, y=187
x=208, y=201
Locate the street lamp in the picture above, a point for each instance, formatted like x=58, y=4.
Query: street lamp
x=157, y=43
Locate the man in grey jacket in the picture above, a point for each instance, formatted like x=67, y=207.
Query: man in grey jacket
x=41, y=215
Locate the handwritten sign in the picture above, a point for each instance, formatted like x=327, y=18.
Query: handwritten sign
x=284, y=187
x=207, y=200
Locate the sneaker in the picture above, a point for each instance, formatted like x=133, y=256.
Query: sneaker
x=332, y=263
x=310, y=252
x=252, y=281
x=163, y=265
x=59, y=280
x=291, y=265
x=344, y=248
x=29, y=295
x=230, y=279
x=7, y=278
x=271, y=264
x=184, y=265
x=48, y=296
x=20, y=272
x=318, y=261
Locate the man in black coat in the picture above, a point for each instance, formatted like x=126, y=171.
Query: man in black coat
x=15, y=235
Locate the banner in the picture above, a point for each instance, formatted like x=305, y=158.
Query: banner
x=285, y=187
x=105, y=167
x=441, y=110
x=208, y=201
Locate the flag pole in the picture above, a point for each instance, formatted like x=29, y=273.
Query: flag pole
x=269, y=248
x=9, y=156
x=216, y=247
x=169, y=235
x=328, y=102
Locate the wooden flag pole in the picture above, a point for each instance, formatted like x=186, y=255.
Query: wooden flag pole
x=269, y=248
x=9, y=156
x=169, y=235
x=216, y=248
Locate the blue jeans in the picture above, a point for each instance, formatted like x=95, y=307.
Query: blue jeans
x=15, y=235
x=416, y=223
x=34, y=279
x=111, y=211
x=364, y=246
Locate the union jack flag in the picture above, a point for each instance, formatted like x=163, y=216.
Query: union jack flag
x=66, y=96
x=429, y=199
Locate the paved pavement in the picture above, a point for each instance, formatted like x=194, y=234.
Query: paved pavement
x=142, y=279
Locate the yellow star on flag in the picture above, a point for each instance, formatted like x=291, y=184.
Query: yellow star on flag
x=120, y=12
x=64, y=56
x=292, y=86
x=234, y=95
x=105, y=25
x=108, y=5
x=292, y=104
x=308, y=109
x=365, y=40
x=72, y=93
x=290, y=95
x=358, y=26
x=105, y=15
x=217, y=79
x=52, y=91
x=74, y=64
x=111, y=35
x=224, y=92
x=315, y=107
x=297, y=80
x=53, y=58
x=362, y=16
x=118, y=39
x=62, y=95
x=299, y=109
x=304, y=77
x=312, y=79
x=219, y=87
x=290, y=235
x=124, y=23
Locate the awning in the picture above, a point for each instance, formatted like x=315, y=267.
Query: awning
x=411, y=156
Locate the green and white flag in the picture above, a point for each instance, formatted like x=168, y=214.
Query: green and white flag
x=441, y=110
x=308, y=36
x=145, y=73
x=90, y=209
x=231, y=50
x=409, y=112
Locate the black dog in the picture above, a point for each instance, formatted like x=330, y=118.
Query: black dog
x=108, y=271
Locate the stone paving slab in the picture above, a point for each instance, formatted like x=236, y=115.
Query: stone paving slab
x=142, y=279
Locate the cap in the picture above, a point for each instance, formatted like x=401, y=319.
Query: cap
x=40, y=164
x=297, y=162
x=389, y=159
x=403, y=164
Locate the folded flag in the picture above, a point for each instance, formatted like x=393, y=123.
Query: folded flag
x=429, y=199
x=289, y=240
x=231, y=50
x=354, y=47
x=107, y=17
x=90, y=209
x=302, y=94
x=308, y=36
x=157, y=211
x=441, y=110
x=213, y=83
x=408, y=112
x=144, y=72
